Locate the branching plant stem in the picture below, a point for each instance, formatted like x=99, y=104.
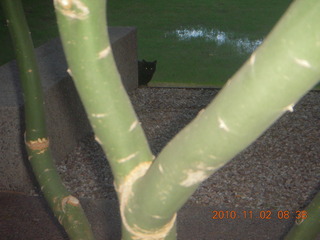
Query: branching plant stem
x=66, y=207
x=270, y=83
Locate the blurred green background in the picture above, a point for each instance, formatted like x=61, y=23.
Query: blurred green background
x=196, y=43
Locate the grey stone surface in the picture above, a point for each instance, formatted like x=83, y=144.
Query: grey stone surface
x=124, y=48
x=66, y=119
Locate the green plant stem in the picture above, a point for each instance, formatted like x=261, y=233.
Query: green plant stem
x=83, y=30
x=276, y=76
x=66, y=207
x=270, y=83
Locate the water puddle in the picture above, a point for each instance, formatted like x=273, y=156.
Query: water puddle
x=242, y=45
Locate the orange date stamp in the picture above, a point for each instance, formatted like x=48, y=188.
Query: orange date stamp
x=299, y=216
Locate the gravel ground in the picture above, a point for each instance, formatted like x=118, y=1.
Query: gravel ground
x=281, y=170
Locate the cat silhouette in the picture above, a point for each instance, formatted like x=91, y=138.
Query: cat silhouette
x=146, y=71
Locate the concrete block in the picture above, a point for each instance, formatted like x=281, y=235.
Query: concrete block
x=66, y=119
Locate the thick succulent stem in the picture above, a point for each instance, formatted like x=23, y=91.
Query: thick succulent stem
x=275, y=77
x=83, y=30
x=65, y=207
x=270, y=83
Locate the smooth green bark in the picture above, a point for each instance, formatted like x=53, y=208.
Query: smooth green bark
x=271, y=82
x=275, y=77
x=66, y=208
x=28, y=69
x=83, y=30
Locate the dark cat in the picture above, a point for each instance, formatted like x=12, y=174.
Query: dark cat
x=146, y=71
